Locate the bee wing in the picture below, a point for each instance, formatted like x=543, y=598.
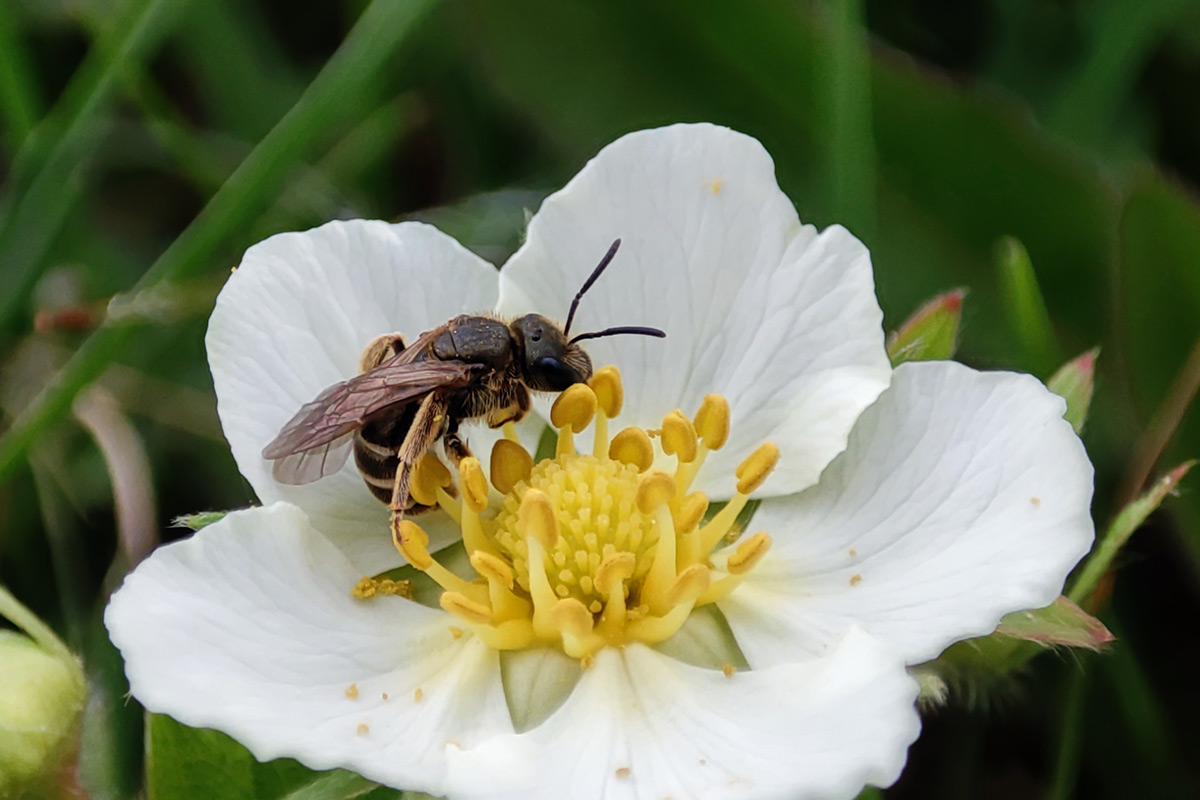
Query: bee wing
x=322, y=428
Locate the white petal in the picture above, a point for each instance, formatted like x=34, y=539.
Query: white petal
x=961, y=497
x=294, y=319
x=781, y=320
x=249, y=627
x=642, y=725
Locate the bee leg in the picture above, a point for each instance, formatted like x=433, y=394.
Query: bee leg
x=422, y=433
x=454, y=445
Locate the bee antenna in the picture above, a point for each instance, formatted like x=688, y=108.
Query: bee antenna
x=636, y=329
x=604, y=262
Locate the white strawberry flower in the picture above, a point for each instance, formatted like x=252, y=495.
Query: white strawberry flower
x=613, y=644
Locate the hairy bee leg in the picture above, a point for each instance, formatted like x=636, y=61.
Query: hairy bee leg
x=454, y=445
x=423, y=432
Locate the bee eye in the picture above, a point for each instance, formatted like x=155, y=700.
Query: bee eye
x=554, y=374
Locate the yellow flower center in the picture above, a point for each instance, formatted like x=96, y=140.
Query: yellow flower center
x=596, y=550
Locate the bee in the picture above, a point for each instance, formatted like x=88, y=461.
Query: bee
x=408, y=396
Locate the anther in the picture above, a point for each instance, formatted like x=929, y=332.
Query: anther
x=679, y=437
x=691, y=511
x=712, y=421
x=412, y=542
x=429, y=475
x=754, y=470
x=748, y=554
x=465, y=608
x=536, y=518
x=610, y=394
x=474, y=485
x=511, y=464
x=574, y=407
x=632, y=446
x=614, y=570
x=654, y=489
x=571, y=617
x=690, y=584
x=493, y=568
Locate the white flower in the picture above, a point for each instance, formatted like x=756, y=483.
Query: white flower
x=959, y=496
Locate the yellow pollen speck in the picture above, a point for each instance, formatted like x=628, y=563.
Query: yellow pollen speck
x=714, y=186
x=418, y=695
x=363, y=729
x=730, y=670
x=232, y=270
x=456, y=632
x=384, y=695
x=1035, y=501
x=853, y=552
x=632, y=446
x=367, y=588
x=587, y=662
x=352, y=691
x=624, y=772
x=855, y=578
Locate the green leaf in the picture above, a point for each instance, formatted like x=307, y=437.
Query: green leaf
x=1060, y=623
x=1127, y=521
x=1075, y=382
x=931, y=333
x=1024, y=304
x=183, y=762
x=198, y=520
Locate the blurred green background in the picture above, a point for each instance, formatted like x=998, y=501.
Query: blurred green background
x=146, y=143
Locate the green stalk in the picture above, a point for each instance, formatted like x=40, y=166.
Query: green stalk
x=19, y=106
x=44, y=185
x=382, y=28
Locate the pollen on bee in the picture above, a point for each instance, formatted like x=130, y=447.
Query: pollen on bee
x=352, y=691
x=855, y=578
x=363, y=729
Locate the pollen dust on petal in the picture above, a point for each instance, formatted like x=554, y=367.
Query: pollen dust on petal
x=352, y=691
x=624, y=772
x=384, y=696
x=1035, y=501
x=853, y=552
x=855, y=578
x=456, y=632
x=418, y=695
x=363, y=729
x=714, y=186
x=730, y=670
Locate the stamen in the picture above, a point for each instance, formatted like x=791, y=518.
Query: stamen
x=572, y=411
x=413, y=544
x=465, y=608
x=610, y=396
x=712, y=421
x=754, y=470
x=511, y=464
x=748, y=554
x=679, y=437
x=632, y=446
x=429, y=475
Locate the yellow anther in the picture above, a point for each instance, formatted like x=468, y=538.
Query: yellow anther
x=465, y=608
x=610, y=393
x=575, y=407
x=712, y=421
x=571, y=617
x=614, y=570
x=691, y=511
x=748, y=554
x=754, y=470
x=429, y=475
x=679, y=437
x=536, y=518
x=655, y=489
x=511, y=464
x=494, y=568
x=691, y=583
x=632, y=446
x=474, y=485
x=412, y=542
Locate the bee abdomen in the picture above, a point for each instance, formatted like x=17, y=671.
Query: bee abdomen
x=377, y=462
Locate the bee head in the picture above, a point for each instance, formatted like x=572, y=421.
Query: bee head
x=549, y=362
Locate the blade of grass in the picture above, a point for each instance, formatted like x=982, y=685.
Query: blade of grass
x=1070, y=739
x=382, y=28
x=19, y=103
x=844, y=88
x=1025, y=306
x=44, y=184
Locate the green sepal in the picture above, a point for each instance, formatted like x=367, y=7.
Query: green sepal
x=1075, y=382
x=931, y=333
